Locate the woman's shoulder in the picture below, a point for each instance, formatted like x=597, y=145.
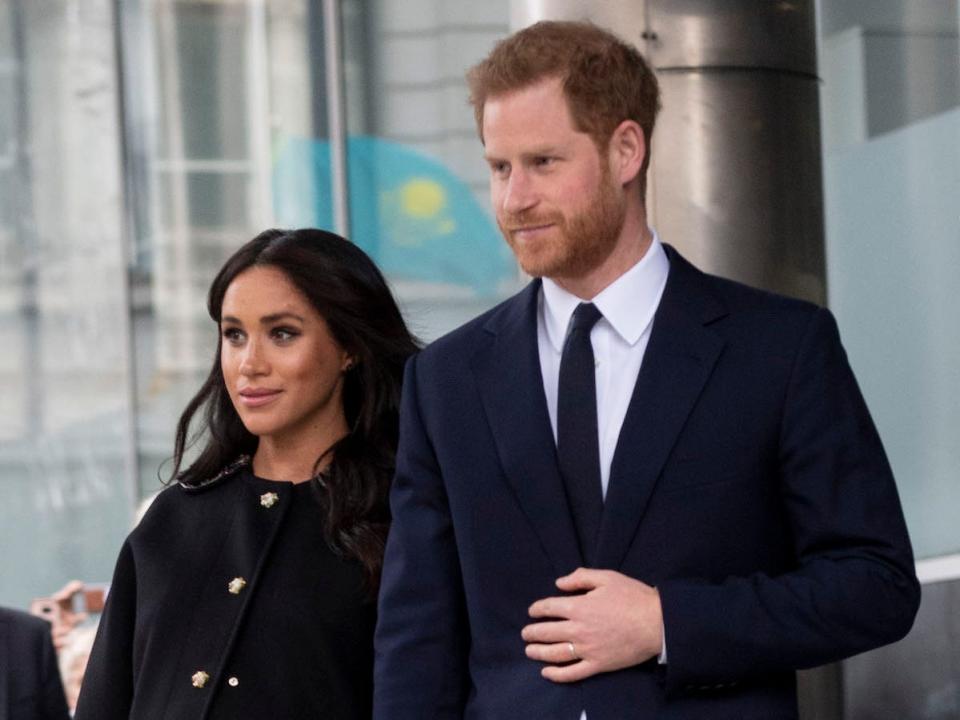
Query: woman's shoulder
x=229, y=472
x=174, y=506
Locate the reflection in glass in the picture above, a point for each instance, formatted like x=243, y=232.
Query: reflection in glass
x=417, y=180
x=111, y=230
x=64, y=413
x=192, y=77
x=891, y=119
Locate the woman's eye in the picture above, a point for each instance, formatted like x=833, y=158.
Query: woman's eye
x=232, y=335
x=284, y=334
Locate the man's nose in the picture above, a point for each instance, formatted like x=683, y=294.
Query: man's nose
x=519, y=193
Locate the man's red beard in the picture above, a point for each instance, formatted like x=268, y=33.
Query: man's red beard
x=575, y=245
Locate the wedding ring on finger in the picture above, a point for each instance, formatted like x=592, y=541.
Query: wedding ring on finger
x=573, y=652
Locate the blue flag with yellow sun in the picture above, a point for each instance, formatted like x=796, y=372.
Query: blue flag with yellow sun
x=414, y=217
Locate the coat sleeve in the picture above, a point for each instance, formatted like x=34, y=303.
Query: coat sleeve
x=53, y=701
x=422, y=635
x=853, y=586
x=107, y=689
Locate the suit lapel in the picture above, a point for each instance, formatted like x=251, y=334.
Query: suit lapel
x=5, y=669
x=678, y=361
x=511, y=388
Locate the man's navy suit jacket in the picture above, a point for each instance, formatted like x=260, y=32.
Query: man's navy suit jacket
x=749, y=485
x=30, y=687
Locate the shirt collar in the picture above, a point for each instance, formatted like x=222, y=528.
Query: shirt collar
x=628, y=303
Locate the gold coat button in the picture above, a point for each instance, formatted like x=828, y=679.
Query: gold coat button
x=236, y=585
x=233, y=682
x=269, y=499
x=199, y=678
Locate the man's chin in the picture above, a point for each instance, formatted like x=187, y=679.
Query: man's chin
x=535, y=266
x=560, y=269
x=533, y=260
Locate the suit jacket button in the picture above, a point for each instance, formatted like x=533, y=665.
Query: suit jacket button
x=199, y=678
x=236, y=585
x=233, y=682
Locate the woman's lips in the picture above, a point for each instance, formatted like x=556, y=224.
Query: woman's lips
x=257, y=398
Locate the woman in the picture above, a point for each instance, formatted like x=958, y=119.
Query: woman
x=248, y=589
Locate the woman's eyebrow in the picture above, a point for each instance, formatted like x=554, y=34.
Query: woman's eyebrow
x=266, y=319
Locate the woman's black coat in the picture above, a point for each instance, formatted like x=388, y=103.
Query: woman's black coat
x=175, y=608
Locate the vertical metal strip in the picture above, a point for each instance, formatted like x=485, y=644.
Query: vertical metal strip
x=25, y=226
x=645, y=45
x=127, y=242
x=336, y=115
x=258, y=111
x=172, y=276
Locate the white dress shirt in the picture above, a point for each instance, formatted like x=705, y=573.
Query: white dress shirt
x=619, y=342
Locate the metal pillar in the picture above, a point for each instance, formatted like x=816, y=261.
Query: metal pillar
x=736, y=171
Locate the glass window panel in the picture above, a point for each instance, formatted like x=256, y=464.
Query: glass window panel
x=9, y=247
x=65, y=432
x=417, y=180
x=218, y=200
x=7, y=110
x=195, y=79
x=6, y=29
x=891, y=91
x=202, y=55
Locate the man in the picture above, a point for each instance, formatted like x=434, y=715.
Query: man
x=30, y=687
x=632, y=490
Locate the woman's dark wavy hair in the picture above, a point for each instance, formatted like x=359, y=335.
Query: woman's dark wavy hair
x=350, y=293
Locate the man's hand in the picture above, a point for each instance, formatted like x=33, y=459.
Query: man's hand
x=616, y=623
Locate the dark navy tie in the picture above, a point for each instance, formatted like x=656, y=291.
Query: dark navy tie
x=578, y=446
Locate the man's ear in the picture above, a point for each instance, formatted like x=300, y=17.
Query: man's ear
x=627, y=151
